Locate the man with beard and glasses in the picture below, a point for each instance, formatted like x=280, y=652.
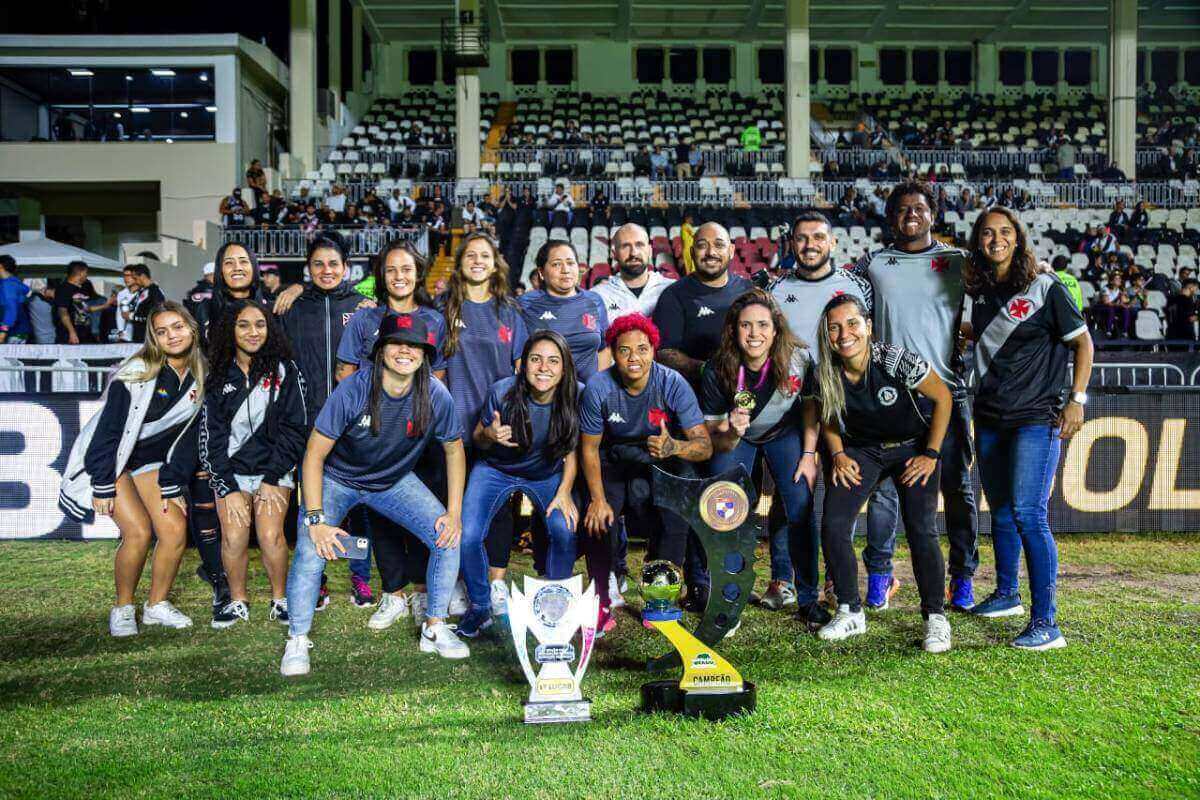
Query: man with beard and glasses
x=636, y=286
x=802, y=293
x=691, y=317
x=918, y=298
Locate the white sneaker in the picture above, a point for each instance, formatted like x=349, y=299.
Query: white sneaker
x=391, y=608
x=295, y=656
x=937, y=634
x=614, y=591
x=459, y=602
x=122, y=621
x=418, y=604
x=163, y=613
x=443, y=641
x=499, y=598
x=845, y=623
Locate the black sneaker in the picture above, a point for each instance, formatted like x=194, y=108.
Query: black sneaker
x=230, y=614
x=323, y=595
x=279, y=610
x=814, y=616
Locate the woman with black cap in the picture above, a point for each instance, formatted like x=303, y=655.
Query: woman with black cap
x=366, y=441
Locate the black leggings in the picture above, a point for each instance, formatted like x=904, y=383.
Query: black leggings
x=918, y=508
x=205, y=526
x=401, y=557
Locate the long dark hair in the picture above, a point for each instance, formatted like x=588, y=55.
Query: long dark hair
x=222, y=346
x=564, y=418
x=729, y=356
x=420, y=295
x=456, y=290
x=979, y=275
x=422, y=404
x=221, y=298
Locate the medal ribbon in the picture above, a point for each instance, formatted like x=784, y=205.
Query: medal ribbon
x=762, y=376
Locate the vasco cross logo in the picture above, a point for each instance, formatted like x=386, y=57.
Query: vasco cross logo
x=886, y=396
x=1019, y=308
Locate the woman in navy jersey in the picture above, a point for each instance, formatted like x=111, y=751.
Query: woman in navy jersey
x=526, y=438
x=132, y=460
x=750, y=393
x=636, y=414
x=1026, y=328
x=363, y=449
x=252, y=433
x=874, y=402
x=399, y=274
x=562, y=306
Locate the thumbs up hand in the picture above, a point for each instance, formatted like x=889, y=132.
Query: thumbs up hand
x=499, y=433
x=661, y=445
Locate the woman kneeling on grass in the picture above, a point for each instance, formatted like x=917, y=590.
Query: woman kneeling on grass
x=363, y=449
x=132, y=460
x=1027, y=325
x=526, y=438
x=252, y=434
x=876, y=427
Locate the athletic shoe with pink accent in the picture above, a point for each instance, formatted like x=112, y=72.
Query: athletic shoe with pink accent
x=605, y=622
x=360, y=592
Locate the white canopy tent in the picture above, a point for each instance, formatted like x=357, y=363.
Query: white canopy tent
x=44, y=252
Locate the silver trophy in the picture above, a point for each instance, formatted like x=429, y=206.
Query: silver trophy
x=552, y=611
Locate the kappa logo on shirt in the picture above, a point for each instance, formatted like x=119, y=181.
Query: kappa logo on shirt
x=589, y=322
x=229, y=388
x=364, y=421
x=1020, y=308
x=791, y=298
x=613, y=307
x=891, y=262
x=458, y=323
x=615, y=417
x=346, y=315
x=548, y=315
x=705, y=311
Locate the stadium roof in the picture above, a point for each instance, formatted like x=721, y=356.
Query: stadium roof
x=924, y=21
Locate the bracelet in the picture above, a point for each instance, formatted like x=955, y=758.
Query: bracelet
x=808, y=453
x=313, y=511
x=931, y=453
x=838, y=453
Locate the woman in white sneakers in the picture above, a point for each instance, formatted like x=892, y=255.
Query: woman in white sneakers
x=252, y=434
x=132, y=460
x=363, y=449
x=885, y=414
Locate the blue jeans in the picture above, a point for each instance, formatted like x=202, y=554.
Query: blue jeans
x=799, y=537
x=359, y=524
x=1017, y=467
x=883, y=511
x=488, y=489
x=409, y=504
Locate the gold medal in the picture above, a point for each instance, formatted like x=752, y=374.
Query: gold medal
x=744, y=399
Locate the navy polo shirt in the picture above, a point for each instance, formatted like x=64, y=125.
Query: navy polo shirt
x=489, y=343
x=532, y=462
x=580, y=318
x=372, y=463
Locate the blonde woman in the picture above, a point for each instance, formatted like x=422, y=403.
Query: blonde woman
x=132, y=460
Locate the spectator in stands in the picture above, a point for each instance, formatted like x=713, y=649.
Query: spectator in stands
x=1118, y=220
x=696, y=159
x=683, y=164
x=1135, y=290
x=1105, y=241
x=15, y=327
x=599, y=205
x=401, y=207
x=751, y=138
x=561, y=207
x=149, y=298
x=472, y=218
x=1095, y=269
x=1182, y=311
x=270, y=282
x=1064, y=157
x=1138, y=222
x=351, y=218
x=1111, y=313
x=439, y=230
x=1068, y=280
x=337, y=199
x=233, y=209
x=370, y=206
x=255, y=177
x=987, y=199
x=74, y=302
x=1170, y=165
x=41, y=311
x=64, y=128
x=658, y=164
x=642, y=164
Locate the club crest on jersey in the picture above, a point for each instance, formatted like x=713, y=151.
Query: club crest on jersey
x=408, y=429
x=1021, y=307
x=505, y=333
x=589, y=322
x=940, y=263
x=794, y=383
x=431, y=338
x=404, y=321
x=657, y=416
x=192, y=396
x=886, y=396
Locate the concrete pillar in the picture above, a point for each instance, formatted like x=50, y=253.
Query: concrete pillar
x=302, y=85
x=466, y=106
x=987, y=68
x=334, y=48
x=1122, y=86
x=866, y=77
x=745, y=67
x=226, y=80
x=796, y=101
x=356, y=53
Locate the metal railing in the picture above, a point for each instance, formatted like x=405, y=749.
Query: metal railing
x=1139, y=375
x=292, y=243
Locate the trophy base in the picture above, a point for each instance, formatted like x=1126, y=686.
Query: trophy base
x=558, y=711
x=667, y=696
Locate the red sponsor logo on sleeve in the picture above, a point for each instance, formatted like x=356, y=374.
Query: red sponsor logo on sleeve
x=657, y=416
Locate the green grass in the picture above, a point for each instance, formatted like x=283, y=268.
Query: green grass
x=204, y=713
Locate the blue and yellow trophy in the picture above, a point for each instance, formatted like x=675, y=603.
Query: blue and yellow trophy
x=710, y=687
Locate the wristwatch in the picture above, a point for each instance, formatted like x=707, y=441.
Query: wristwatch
x=1079, y=397
x=314, y=517
x=931, y=453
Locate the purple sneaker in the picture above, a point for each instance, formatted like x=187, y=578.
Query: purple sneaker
x=881, y=588
x=961, y=594
x=360, y=592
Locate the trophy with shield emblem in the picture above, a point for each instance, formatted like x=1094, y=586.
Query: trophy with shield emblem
x=552, y=611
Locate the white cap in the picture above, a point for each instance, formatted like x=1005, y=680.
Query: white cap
x=210, y=268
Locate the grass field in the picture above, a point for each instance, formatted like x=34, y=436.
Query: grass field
x=204, y=713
